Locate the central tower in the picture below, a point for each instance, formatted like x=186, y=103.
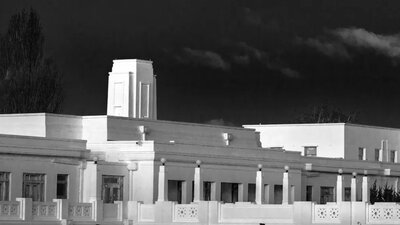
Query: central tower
x=132, y=89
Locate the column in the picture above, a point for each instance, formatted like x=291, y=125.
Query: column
x=131, y=168
x=259, y=185
x=162, y=183
x=365, y=189
x=353, y=187
x=198, y=189
x=339, y=186
x=285, y=186
x=396, y=184
x=82, y=168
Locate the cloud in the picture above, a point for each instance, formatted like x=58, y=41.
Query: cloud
x=333, y=49
x=203, y=58
x=289, y=72
x=388, y=45
x=252, y=17
x=251, y=53
x=338, y=43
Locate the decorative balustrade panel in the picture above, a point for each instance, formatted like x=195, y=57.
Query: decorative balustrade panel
x=146, y=212
x=9, y=210
x=241, y=213
x=186, y=213
x=384, y=213
x=44, y=210
x=80, y=211
x=329, y=213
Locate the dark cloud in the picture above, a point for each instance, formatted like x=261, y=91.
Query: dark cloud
x=205, y=58
x=252, y=17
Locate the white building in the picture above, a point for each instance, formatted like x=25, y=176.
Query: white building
x=333, y=140
x=104, y=165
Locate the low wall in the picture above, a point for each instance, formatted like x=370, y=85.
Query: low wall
x=62, y=212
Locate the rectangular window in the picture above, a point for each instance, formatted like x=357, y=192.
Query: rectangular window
x=62, y=186
x=207, y=186
x=229, y=192
x=362, y=154
x=347, y=194
x=251, y=192
x=278, y=194
x=33, y=186
x=393, y=156
x=377, y=154
x=176, y=191
x=266, y=193
x=310, y=151
x=309, y=193
x=112, y=188
x=144, y=101
x=326, y=195
x=4, y=186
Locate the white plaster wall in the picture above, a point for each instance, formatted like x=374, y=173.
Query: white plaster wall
x=368, y=137
x=164, y=131
x=93, y=179
x=328, y=137
x=94, y=128
x=23, y=124
x=63, y=126
x=19, y=165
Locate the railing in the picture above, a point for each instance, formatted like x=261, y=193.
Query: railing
x=146, y=212
x=113, y=211
x=9, y=210
x=242, y=212
x=329, y=213
x=186, y=213
x=80, y=211
x=384, y=213
x=44, y=210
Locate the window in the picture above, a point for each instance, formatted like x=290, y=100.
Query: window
x=326, y=195
x=62, y=186
x=207, y=187
x=251, y=193
x=4, y=186
x=278, y=194
x=112, y=188
x=176, y=191
x=347, y=194
x=377, y=154
x=33, y=186
x=266, y=193
x=393, y=156
x=229, y=192
x=362, y=154
x=310, y=151
x=309, y=193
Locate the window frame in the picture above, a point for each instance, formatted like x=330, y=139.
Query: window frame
x=31, y=183
x=309, y=148
x=5, y=182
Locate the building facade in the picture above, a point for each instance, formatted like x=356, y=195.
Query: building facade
x=129, y=156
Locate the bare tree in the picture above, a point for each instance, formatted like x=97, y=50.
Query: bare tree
x=326, y=114
x=28, y=81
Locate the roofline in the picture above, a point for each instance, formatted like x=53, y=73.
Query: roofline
x=167, y=121
x=320, y=124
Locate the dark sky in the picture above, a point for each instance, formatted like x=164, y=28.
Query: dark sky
x=237, y=61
